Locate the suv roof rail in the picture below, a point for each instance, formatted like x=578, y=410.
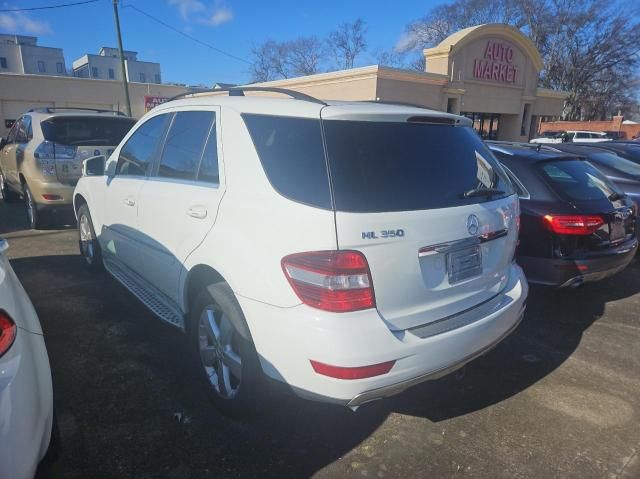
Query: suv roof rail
x=51, y=109
x=239, y=91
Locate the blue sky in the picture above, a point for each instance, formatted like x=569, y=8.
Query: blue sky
x=231, y=25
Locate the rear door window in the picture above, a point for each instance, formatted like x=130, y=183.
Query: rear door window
x=137, y=154
x=86, y=131
x=184, y=144
x=400, y=166
x=292, y=156
x=576, y=180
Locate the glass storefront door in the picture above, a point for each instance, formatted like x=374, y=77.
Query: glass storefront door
x=486, y=124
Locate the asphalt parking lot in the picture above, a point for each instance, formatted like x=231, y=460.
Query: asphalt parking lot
x=559, y=398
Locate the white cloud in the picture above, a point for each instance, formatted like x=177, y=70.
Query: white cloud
x=187, y=7
x=407, y=41
x=215, y=14
x=221, y=15
x=18, y=22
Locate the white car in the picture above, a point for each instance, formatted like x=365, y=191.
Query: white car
x=26, y=394
x=348, y=250
x=574, y=136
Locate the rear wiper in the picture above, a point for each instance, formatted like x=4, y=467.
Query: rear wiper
x=483, y=192
x=615, y=197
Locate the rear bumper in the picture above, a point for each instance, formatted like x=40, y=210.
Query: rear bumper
x=572, y=272
x=288, y=338
x=39, y=188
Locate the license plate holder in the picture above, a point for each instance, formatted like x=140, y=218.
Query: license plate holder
x=464, y=263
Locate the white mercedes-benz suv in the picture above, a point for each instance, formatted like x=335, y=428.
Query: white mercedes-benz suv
x=347, y=249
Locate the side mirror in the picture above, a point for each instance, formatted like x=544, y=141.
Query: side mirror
x=94, y=166
x=2, y=143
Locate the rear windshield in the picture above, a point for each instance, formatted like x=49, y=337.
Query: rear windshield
x=397, y=166
x=615, y=162
x=577, y=180
x=86, y=131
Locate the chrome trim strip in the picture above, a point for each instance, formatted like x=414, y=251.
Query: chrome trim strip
x=397, y=388
x=462, y=243
x=463, y=318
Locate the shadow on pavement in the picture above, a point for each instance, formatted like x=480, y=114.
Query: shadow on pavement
x=129, y=405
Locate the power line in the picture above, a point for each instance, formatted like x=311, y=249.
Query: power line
x=208, y=45
x=49, y=7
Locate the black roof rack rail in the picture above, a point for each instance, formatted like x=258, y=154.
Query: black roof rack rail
x=239, y=91
x=51, y=109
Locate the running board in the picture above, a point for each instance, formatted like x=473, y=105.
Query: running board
x=151, y=297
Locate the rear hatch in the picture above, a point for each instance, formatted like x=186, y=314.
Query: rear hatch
x=72, y=139
x=399, y=184
x=610, y=214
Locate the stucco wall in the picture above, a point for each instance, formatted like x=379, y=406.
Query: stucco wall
x=19, y=93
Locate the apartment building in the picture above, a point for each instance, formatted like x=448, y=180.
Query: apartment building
x=106, y=66
x=22, y=54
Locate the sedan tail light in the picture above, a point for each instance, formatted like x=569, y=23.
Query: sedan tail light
x=337, y=281
x=573, y=224
x=8, y=331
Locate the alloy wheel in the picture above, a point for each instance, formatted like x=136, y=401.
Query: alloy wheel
x=219, y=352
x=86, y=238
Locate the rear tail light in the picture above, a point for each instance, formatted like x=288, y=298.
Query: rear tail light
x=47, y=152
x=337, y=281
x=8, y=331
x=359, y=372
x=573, y=224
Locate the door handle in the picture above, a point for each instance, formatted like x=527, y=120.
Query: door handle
x=129, y=202
x=199, y=212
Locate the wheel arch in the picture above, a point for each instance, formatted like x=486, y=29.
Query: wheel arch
x=199, y=277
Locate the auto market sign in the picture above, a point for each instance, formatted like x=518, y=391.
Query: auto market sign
x=496, y=64
x=151, y=102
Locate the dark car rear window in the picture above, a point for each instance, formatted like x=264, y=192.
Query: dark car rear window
x=398, y=166
x=577, y=180
x=292, y=156
x=86, y=131
x=615, y=162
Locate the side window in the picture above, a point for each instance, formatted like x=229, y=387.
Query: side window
x=11, y=137
x=184, y=144
x=209, y=166
x=24, y=133
x=137, y=154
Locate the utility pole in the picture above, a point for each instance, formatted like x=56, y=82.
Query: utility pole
x=123, y=71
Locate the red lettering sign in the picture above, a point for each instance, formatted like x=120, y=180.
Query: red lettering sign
x=151, y=102
x=496, y=64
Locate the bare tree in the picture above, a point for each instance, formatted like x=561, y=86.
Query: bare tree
x=590, y=48
x=276, y=60
x=347, y=42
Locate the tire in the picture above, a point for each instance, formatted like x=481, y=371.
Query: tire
x=35, y=217
x=8, y=195
x=88, y=241
x=227, y=361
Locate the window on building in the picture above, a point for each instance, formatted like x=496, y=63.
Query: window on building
x=184, y=145
x=525, y=120
x=143, y=78
x=3, y=62
x=112, y=74
x=94, y=72
x=158, y=78
x=59, y=67
x=137, y=154
x=41, y=66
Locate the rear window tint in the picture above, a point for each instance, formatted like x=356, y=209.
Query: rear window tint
x=577, y=180
x=86, y=131
x=292, y=156
x=394, y=166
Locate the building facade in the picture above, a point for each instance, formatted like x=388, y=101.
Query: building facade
x=22, y=54
x=106, y=66
x=488, y=73
x=19, y=93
